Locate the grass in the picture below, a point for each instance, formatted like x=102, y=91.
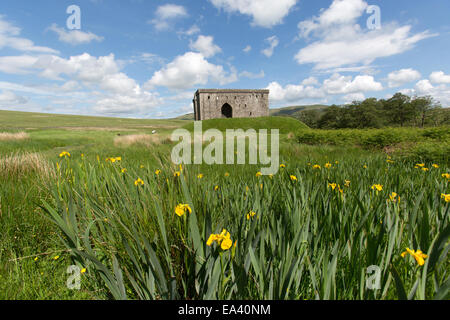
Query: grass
x=284, y=124
x=306, y=241
x=413, y=143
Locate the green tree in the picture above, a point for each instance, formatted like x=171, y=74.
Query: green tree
x=308, y=117
x=421, y=107
x=399, y=109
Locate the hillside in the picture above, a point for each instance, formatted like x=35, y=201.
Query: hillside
x=16, y=120
x=284, y=124
x=285, y=111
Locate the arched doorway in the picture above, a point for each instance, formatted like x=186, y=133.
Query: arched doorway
x=227, y=111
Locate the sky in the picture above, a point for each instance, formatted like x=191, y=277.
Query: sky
x=146, y=58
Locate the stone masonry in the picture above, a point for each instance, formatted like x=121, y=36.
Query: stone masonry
x=230, y=103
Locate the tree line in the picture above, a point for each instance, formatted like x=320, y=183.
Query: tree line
x=399, y=111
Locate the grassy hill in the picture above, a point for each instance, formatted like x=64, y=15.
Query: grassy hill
x=15, y=120
x=284, y=124
x=285, y=111
x=291, y=111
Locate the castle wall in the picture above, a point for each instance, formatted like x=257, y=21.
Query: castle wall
x=244, y=103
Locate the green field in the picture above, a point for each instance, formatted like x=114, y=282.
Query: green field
x=308, y=232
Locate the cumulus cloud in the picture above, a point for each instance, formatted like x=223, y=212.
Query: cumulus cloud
x=425, y=87
x=265, y=13
x=310, y=88
x=10, y=99
x=17, y=64
x=349, y=98
x=439, y=77
x=340, y=41
x=166, y=14
x=10, y=38
x=205, y=45
x=400, y=77
x=111, y=90
x=338, y=84
x=188, y=70
x=136, y=101
x=247, y=49
x=310, y=81
x=86, y=68
x=293, y=93
x=74, y=37
x=273, y=43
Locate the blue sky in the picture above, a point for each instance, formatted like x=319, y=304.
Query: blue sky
x=146, y=58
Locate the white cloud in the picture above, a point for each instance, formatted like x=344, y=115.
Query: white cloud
x=205, y=45
x=439, y=77
x=252, y=75
x=74, y=37
x=340, y=12
x=352, y=88
x=247, y=49
x=137, y=101
x=107, y=88
x=194, y=29
x=17, y=64
x=9, y=38
x=338, y=84
x=349, y=98
x=310, y=81
x=265, y=13
x=189, y=70
x=273, y=43
x=342, y=42
x=400, y=77
x=10, y=99
x=86, y=68
x=424, y=87
x=167, y=14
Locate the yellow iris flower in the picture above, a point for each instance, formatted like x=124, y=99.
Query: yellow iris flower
x=418, y=255
x=377, y=187
x=446, y=197
x=250, y=215
x=181, y=209
x=223, y=239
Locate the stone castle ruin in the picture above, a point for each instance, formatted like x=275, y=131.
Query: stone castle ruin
x=230, y=103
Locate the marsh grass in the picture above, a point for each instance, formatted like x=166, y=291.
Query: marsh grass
x=21, y=164
x=8, y=136
x=306, y=241
x=137, y=139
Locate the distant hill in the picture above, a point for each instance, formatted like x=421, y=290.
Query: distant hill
x=17, y=120
x=291, y=111
x=280, y=112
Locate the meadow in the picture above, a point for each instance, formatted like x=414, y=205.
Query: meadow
x=103, y=194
